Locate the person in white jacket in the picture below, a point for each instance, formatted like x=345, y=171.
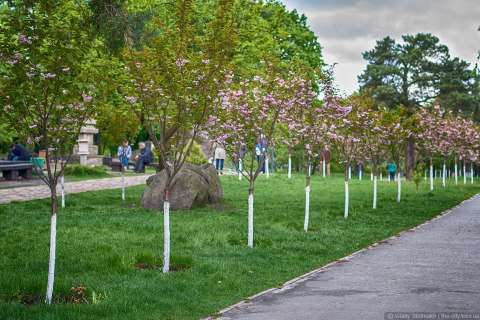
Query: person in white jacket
x=124, y=153
x=219, y=157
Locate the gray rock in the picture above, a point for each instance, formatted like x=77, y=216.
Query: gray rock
x=193, y=186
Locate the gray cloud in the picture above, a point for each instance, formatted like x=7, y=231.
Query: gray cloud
x=347, y=28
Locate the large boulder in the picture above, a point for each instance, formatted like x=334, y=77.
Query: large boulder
x=193, y=186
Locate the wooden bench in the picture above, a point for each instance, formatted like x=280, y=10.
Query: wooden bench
x=117, y=166
x=14, y=170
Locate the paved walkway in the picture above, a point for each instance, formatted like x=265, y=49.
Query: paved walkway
x=42, y=191
x=433, y=268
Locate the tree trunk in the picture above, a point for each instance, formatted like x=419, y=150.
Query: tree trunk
x=399, y=174
x=471, y=171
x=266, y=167
x=166, y=232
x=323, y=166
x=289, y=164
x=456, y=171
x=444, y=173
x=349, y=172
x=345, y=215
x=63, y=190
x=307, y=203
x=409, y=157
x=464, y=173
x=375, y=190
x=53, y=236
x=250, y=215
x=240, y=170
x=123, y=181
x=431, y=174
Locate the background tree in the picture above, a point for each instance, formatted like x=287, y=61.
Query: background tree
x=414, y=73
x=45, y=91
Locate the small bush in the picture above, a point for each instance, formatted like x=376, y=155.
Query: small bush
x=83, y=170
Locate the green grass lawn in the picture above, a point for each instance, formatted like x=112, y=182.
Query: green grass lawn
x=99, y=242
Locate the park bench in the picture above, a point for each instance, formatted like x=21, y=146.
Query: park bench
x=117, y=166
x=14, y=170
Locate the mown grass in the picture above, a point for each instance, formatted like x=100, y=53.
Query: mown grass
x=99, y=242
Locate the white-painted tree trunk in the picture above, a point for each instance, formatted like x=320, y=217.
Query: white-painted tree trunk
x=51, y=264
x=240, y=170
x=431, y=177
x=464, y=174
x=266, y=167
x=309, y=170
x=471, y=174
x=399, y=187
x=360, y=175
x=425, y=175
x=323, y=167
x=349, y=173
x=381, y=176
x=123, y=185
x=63, y=190
x=166, y=236
x=289, y=166
x=371, y=176
x=375, y=192
x=456, y=172
x=307, y=207
x=250, y=220
x=346, y=200
x=443, y=175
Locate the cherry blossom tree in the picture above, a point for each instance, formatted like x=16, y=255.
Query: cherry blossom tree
x=250, y=109
x=372, y=145
x=45, y=90
x=174, y=79
x=430, y=126
x=346, y=132
x=446, y=146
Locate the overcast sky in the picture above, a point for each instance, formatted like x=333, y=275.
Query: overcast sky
x=347, y=28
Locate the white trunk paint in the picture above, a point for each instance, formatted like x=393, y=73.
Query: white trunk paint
x=123, y=185
x=307, y=207
x=456, y=174
x=471, y=174
x=51, y=265
x=443, y=175
x=349, y=173
x=375, y=192
x=371, y=176
x=399, y=187
x=323, y=167
x=431, y=177
x=250, y=220
x=309, y=170
x=289, y=166
x=381, y=176
x=360, y=175
x=240, y=170
x=266, y=167
x=346, y=200
x=464, y=175
x=166, y=237
x=425, y=175
x=63, y=191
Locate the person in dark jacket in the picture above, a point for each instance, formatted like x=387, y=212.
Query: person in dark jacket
x=20, y=152
x=145, y=157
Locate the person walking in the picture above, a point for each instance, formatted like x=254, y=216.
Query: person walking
x=19, y=153
x=220, y=156
x=145, y=157
x=124, y=153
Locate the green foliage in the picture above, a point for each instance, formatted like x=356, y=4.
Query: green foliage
x=81, y=169
x=419, y=71
x=417, y=176
x=196, y=155
x=6, y=137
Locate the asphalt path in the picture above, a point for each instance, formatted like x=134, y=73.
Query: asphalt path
x=429, y=272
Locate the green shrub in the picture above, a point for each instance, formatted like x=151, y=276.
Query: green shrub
x=81, y=169
x=196, y=155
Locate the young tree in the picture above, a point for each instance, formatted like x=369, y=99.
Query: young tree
x=346, y=132
x=430, y=126
x=46, y=92
x=308, y=123
x=174, y=78
x=446, y=145
x=249, y=109
x=372, y=146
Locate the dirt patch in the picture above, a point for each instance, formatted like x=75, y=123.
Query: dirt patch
x=221, y=207
x=144, y=266
x=30, y=301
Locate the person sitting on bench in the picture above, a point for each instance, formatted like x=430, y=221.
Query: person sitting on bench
x=124, y=153
x=20, y=152
x=145, y=157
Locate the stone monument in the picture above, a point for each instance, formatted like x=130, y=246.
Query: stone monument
x=86, y=133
